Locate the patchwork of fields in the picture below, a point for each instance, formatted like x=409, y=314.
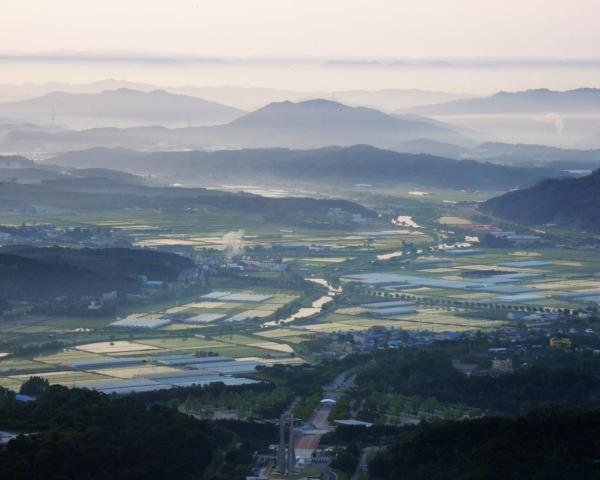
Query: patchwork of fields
x=454, y=291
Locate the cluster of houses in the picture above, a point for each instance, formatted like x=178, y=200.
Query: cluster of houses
x=497, y=232
x=382, y=337
x=218, y=263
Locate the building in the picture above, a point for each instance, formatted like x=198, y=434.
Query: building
x=327, y=403
x=353, y=423
x=561, y=343
x=109, y=296
x=135, y=321
x=266, y=264
x=338, y=349
x=502, y=364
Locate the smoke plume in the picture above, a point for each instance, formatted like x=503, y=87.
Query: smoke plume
x=233, y=242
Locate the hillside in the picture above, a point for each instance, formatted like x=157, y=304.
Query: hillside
x=78, y=433
x=552, y=444
x=122, y=107
x=571, y=203
x=339, y=165
x=37, y=273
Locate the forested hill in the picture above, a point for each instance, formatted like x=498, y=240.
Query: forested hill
x=550, y=444
x=331, y=165
x=80, y=434
x=569, y=202
x=31, y=272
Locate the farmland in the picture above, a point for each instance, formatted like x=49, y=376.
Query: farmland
x=453, y=290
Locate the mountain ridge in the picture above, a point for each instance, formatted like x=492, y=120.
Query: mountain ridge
x=245, y=98
x=343, y=165
x=125, y=105
x=309, y=124
x=540, y=100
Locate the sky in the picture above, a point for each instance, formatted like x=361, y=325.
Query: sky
x=307, y=28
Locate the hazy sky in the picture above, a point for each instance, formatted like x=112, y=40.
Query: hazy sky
x=349, y=28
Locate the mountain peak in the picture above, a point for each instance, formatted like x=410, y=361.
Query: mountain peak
x=311, y=103
x=314, y=113
x=122, y=90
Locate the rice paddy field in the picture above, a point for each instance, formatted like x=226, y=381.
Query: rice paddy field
x=551, y=276
x=205, y=229
x=545, y=277
x=254, y=331
x=453, y=221
x=37, y=327
x=99, y=342
x=55, y=367
x=425, y=320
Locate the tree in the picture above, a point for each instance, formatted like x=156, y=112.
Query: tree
x=34, y=386
x=430, y=405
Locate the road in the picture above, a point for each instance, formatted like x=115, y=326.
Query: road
x=306, y=444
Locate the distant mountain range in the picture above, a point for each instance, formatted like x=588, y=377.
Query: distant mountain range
x=330, y=166
x=246, y=98
x=560, y=118
x=308, y=124
x=571, y=203
x=118, y=108
x=160, y=120
x=529, y=101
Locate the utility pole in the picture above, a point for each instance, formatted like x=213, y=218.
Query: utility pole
x=281, y=449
